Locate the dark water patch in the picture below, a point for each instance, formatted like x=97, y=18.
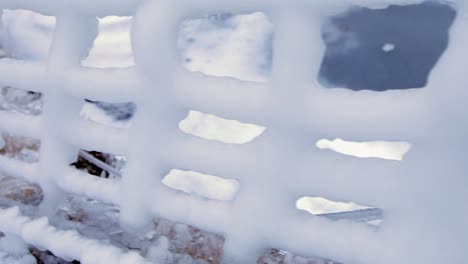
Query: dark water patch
x=384, y=49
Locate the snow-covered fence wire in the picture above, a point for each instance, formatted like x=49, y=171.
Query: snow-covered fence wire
x=423, y=196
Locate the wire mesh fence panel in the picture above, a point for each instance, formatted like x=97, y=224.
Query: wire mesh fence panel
x=423, y=197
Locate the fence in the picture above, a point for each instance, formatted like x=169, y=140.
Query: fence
x=423, y=196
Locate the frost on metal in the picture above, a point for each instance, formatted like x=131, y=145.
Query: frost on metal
x=423, y=196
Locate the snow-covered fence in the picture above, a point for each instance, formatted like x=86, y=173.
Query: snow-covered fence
x=274, y=169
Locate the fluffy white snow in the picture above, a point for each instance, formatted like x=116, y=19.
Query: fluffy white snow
x=281, y=164
x=27, y=35
x=13, y=250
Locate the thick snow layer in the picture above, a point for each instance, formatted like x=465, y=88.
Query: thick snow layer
x=13, y=250
x=274, y=169
x=68, y=245
x=16, y=259
x=27, y=35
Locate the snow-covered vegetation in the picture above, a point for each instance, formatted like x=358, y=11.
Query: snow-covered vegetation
x=209, y=128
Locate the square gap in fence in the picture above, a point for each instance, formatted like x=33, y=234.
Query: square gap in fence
x=385, y=49
x=17, y=100
x=100, y=164
x=212, y=127
x=203, y=185
x=20, y=148
x=112, y=47
x=110, y=114
x=228, y=45
x=333, y=210
x=25, y=35
x=389, y=150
